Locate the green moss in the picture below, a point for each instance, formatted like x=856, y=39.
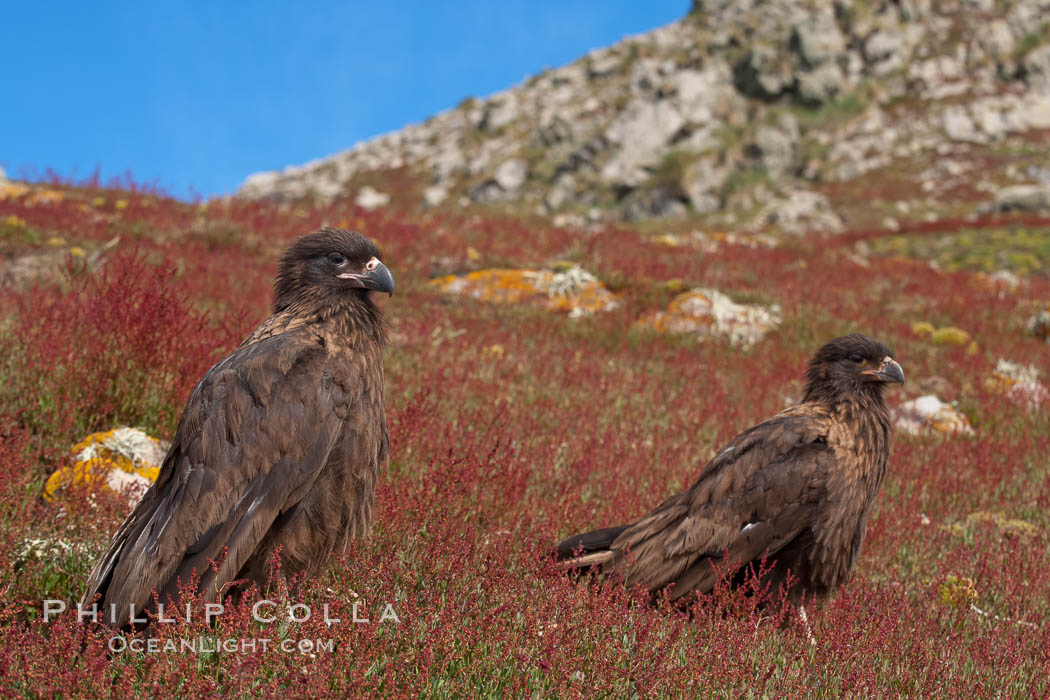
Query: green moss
x=742, y=179
x=1017, y=248
x=1032, y=40
x=15, y=234
x=829, y=114
x=668, y=175
x=950, y=335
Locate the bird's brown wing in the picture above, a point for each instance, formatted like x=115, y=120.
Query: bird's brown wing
x=755, y=496
x=255, y=432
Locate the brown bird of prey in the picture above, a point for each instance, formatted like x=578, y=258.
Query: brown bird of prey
x=279, y=445
x=798, y=488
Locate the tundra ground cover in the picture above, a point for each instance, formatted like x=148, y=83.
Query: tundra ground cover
x=511, y=427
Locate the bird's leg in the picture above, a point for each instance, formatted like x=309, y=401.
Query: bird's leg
x=805, y=624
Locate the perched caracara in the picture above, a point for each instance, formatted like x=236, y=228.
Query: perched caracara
x=279, y=445
x=798, y=488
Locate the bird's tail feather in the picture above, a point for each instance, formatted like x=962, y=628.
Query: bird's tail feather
x=590, y=548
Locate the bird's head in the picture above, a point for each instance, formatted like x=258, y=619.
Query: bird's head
x=330, y=261
x=853, y=364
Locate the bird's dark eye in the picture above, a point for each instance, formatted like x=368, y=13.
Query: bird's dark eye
x=857, y=359
x=337, y=259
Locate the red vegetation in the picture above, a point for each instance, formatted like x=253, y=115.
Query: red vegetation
x=512, y=427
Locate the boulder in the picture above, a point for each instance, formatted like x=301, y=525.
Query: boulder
x=641, y=133
x=1036, y=67
x=1039, y=324
x=702, y=182
x=653, y=203
x=511, y=174
x=764, y=73
x=498, y=112
x=370, y=198
x=434, y=195
x=818, y=41
x=820, y=85
x=1019, y=382
x=708, y=313
x=571, y=289
x=774, y=148
x=929, y=415
x=1028, y=198
x=799, y=212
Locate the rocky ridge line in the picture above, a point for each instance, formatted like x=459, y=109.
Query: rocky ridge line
x=757, y=114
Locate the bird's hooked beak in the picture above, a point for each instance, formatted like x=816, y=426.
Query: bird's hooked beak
x=376, y=277
x=889, y=372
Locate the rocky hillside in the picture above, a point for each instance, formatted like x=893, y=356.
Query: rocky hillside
x=784, y=114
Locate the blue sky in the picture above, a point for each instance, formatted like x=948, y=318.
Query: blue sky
x=195, y=96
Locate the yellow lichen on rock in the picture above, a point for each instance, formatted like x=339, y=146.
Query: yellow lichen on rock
x=124, y=461
x=708, y=312
x=571, y=289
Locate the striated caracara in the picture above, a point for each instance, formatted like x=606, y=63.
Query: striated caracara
x=798, y=488
x=279, y=445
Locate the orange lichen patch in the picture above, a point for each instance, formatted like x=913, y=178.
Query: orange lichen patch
x=34, y=196
x=1019, y=382
x=708, y=312
x=1001, y=281
x=44, y=196
x=124, y=461
x=496, y=286
x=928, y=414
x=710, y=241
x=572, y=290
x=12, y=189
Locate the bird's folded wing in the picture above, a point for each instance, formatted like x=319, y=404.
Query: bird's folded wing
x=252, y=438
x=755, y=496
